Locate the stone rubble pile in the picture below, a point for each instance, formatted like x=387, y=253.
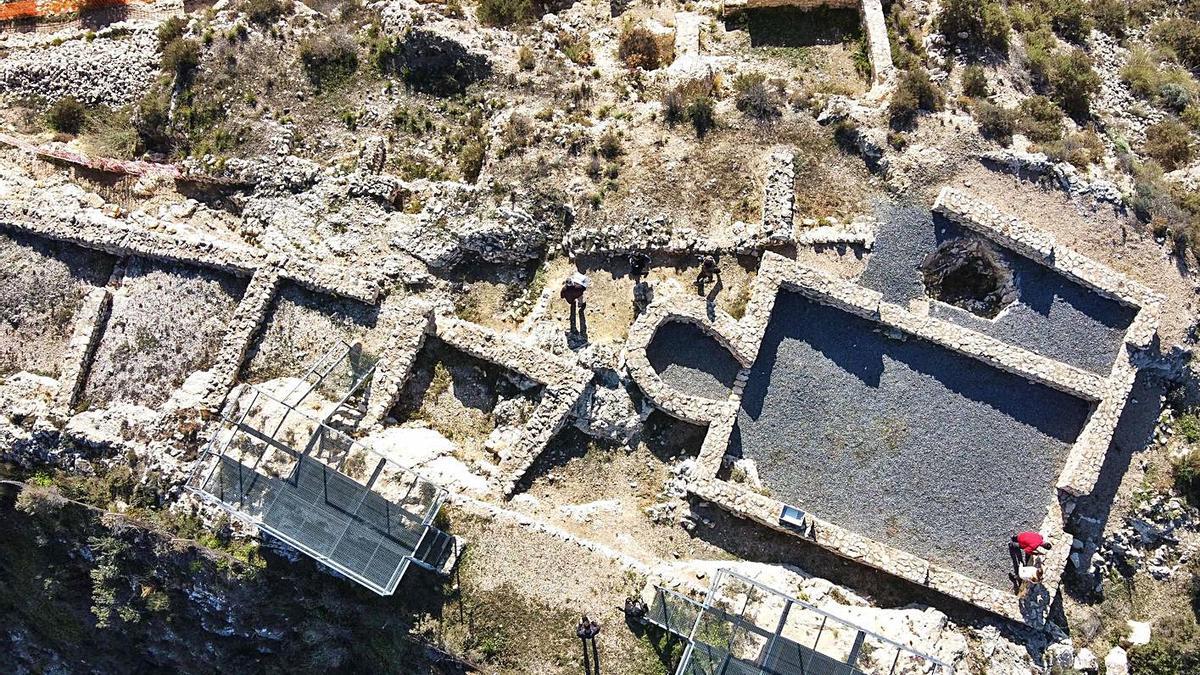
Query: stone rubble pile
x=1148, y=541
x=1066, y=176
x=114, y=68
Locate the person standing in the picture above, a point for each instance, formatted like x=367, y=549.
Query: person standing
x=708, y=271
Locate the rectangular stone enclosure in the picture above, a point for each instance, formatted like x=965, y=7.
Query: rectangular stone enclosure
x=909, y=443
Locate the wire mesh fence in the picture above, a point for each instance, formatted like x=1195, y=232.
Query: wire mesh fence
x=277, y=462
x=744, y=627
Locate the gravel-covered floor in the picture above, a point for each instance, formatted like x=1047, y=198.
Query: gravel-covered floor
x=1052, y=315
x=690, y=360
x=903, y=441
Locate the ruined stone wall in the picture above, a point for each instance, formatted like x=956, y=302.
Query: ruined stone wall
x=563, y=381
x=88, y=327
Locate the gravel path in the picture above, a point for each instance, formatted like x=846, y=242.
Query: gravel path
x=1052, y=316
x=693, y=362
x=903, y=441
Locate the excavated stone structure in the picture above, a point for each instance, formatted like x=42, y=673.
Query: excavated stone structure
x=742, y=338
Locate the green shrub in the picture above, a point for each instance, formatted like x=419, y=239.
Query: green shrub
x=1040, y=119
x=974, y=82
x=609, y=145
x=1191, y=117
x=700, y=112
x=169, y=30
x=1069, y=18
x=907, y=42
x=1079, y=149
x=181, y=56
x=327, y=58
x=1039, y=55
x=67, y=115
x=471, y=157
x=995, y=122
x=915, y=92
x=1174, y=96
x=638, y=48
x=1110, y=16
x=151, y=124
x=983, y=22
x=1182, y=36
x=1141, y=72
x=1164, y=657
x=754, y=98
x=266, y=11
x=1169, y=143
x=1074, y=83
x=504, y=12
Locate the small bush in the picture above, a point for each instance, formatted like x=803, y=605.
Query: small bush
x=151, y=124
x=525, y=60
x=674, y=106
x=1182, y=36
x=1174, y=96
x=974, y=82
x=67, y=116
x=754, y=98
x=328, y=59
x=638, y=48
x=1163, y=656
x=1079, y=149
x=916, y=92
x=502, y=13
x=982, y=22
x=1040, y=119
x=609, y=145
x=995, y=122
x=908, y=43
x=1039, y=55
x=471, y=157
x=1068, y=18
x=692, y=101
x=700, y=112
x=1141, y=72
x=578, y=50
x=1110, y=16
x=1074, y=83
x=181, y=56
x=266, y=11
x=1169, y=143
x=169, y=30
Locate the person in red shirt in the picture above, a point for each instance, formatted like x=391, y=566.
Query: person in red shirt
x=1022, y=548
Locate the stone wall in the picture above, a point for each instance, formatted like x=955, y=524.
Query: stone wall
x=397, y=359
x=93, y=229
x=89, y=326
x=714, y=322
x=249, y=318
x=563, y=382
x=779, y=194
x=1083, y=463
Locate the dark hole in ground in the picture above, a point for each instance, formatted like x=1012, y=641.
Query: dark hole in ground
x=968, y=273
